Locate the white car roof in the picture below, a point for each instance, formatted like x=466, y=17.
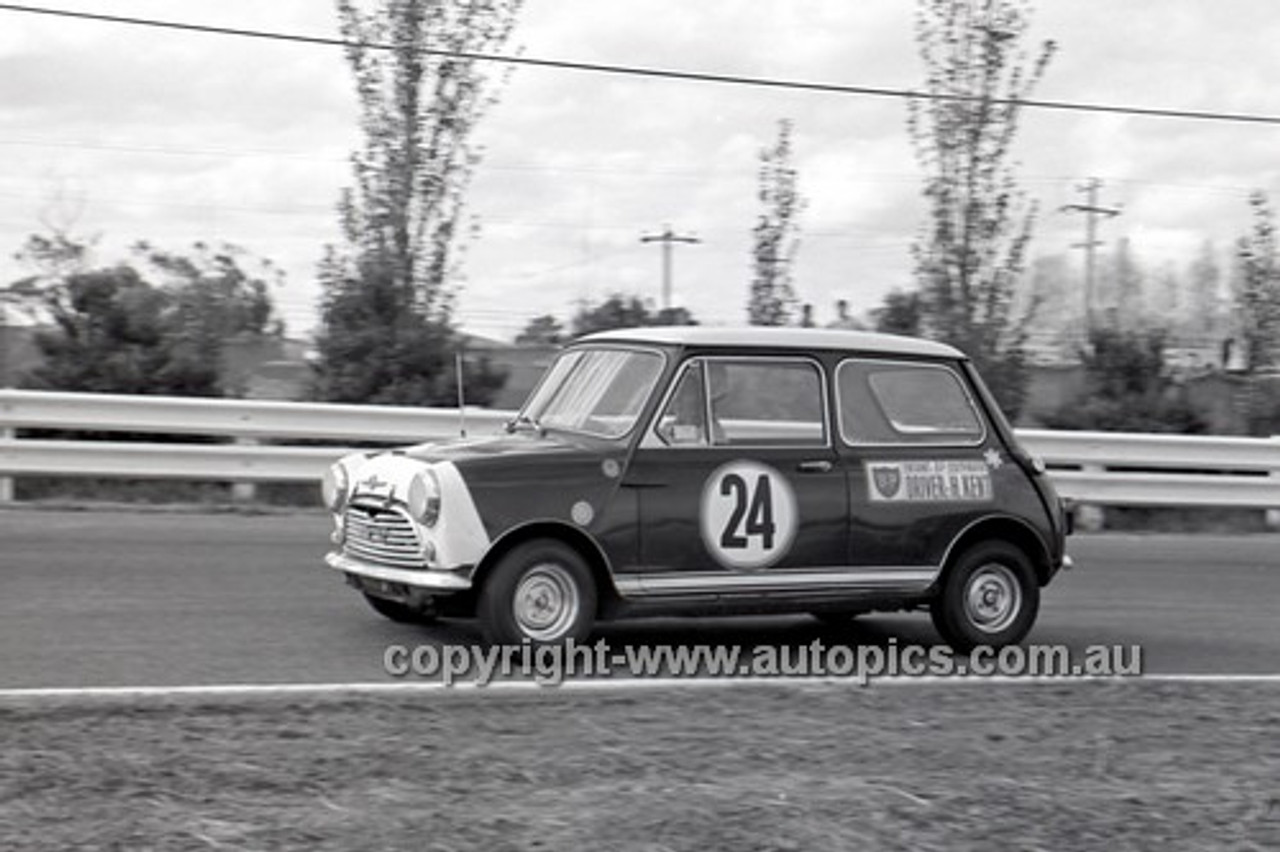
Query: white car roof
x=804, y=339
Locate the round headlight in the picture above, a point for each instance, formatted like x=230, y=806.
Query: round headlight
x=424, y=497
x=334, y=487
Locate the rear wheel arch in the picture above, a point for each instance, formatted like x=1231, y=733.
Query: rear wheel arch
x=1000, y=528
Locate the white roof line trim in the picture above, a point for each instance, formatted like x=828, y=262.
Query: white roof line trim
x=806, y=339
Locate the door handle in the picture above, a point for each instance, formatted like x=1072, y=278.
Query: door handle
x=815, y=466
x=641, y=483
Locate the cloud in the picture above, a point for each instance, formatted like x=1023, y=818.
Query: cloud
x=177, y=137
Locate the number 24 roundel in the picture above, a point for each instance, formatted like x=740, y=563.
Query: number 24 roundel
x=748, y=514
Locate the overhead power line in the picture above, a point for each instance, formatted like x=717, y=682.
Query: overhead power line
x=662, y=73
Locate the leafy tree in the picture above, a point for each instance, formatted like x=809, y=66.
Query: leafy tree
x=17, y=298
x=1166, y=297
x=544, y=330
x=117, y=332
x=1126, y=281
x=216, y=292
x=114, y=334
x=55, y=255
x=899, y=314
x=775, y=239
x=619, y=311
x=388, y=290
x=972, y=251
x=1059, y=309
x=1127, y=387
x=1257, y=288
x=213, y=299
x=1202, y=310
x=420, y=102
x=376, y=349
x=673, y=316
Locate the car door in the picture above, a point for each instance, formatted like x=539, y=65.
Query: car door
x=920, y=465
x=738, y=475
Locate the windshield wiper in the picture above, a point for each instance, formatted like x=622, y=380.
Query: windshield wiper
x=524, y=421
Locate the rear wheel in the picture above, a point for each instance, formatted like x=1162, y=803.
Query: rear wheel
x=540, y=591
x=398, y=612
x=990, y=597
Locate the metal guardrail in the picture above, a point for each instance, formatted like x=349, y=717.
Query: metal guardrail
x=1131, y=469
x=1099, y=468
x=236, y=418
x=247, y=422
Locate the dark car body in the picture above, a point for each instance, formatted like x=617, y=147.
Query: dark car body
x=696, y=470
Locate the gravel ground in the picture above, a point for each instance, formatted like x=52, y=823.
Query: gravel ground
x=1114, y=766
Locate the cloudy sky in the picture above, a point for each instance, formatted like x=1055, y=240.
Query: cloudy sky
x=131, y=133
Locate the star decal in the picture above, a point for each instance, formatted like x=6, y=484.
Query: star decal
x=993, y=458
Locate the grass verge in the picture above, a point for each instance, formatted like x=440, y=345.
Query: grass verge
x=786, y=767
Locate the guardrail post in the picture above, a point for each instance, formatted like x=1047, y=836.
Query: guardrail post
x=244, y=492
x=1091, y=517
x=7, y=433
x=1273, y=515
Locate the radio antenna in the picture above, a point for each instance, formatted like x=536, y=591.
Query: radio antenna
x=462, y=411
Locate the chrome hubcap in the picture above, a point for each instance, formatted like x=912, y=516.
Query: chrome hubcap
x=546, y=602
x=992, y=598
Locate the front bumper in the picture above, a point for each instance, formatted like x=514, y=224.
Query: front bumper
x=435, y=580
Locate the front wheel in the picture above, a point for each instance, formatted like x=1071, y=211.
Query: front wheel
x=541, y=591
x=990, y=597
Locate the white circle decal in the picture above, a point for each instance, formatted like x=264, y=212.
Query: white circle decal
x=748, y=515
x=582, y=513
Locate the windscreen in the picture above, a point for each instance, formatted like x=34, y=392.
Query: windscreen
x=596, y=391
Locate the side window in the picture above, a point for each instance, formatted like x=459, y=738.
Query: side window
x=683, y=422
x=766, y=403
x=883, y=402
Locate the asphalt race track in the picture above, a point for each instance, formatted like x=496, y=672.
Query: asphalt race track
x=112, y=598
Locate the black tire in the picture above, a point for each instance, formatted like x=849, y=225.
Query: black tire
x=990, y=597
x=541, y=591
x=398, y=612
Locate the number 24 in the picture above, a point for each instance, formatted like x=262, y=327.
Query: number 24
x=756, y=509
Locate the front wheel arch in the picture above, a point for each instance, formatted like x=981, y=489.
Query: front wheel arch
x=540, y=591
x=585, y=545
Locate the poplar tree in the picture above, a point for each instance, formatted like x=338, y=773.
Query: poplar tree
x=776, y=234
x=972, y=250
x=1257, y=290
x=389, y=287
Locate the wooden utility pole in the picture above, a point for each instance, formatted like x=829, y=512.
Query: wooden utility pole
x=1092, y=212
x=667, y=238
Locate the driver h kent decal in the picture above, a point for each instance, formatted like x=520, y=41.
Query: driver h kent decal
x=748, y=515
x=933, y=481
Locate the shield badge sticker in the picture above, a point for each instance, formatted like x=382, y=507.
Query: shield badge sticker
x=887, y=480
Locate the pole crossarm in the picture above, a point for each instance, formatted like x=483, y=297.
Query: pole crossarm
x=667, y=239
x=1092, y=211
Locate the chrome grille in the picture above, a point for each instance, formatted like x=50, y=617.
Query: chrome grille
x=382, y=535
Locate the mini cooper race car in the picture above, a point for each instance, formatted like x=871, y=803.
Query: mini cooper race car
x=690, y=470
